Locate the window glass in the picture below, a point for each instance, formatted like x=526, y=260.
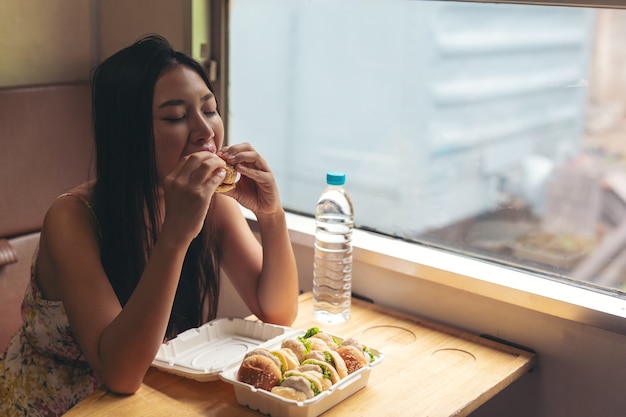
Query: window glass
x=494, y=130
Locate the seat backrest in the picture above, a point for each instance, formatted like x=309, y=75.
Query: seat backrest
x=45, y=148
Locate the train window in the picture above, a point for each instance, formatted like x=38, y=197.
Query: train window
x=495, y=130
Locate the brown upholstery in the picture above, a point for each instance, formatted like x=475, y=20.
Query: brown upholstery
x=45, y=148
x=13, y=281
x=45, y=137
x=8, y=255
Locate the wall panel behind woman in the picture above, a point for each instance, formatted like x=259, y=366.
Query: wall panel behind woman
x=121, y=22
x=45, y=42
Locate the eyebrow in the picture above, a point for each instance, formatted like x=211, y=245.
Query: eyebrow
x=179, y=102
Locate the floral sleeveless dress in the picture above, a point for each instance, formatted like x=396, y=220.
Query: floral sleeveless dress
x=42, y=372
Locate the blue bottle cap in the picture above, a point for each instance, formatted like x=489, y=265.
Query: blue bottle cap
x=335, y=178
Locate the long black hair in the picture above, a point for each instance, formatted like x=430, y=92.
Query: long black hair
x=126, y=188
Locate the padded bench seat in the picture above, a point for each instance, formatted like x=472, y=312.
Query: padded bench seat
x=45, y=148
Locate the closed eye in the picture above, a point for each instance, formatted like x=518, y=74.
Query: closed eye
x=174, y=119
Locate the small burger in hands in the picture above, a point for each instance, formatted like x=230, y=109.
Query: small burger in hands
x=230, y=180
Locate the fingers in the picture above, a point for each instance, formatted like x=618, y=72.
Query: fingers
x=245, y=155
x=257, y=190
x=249, y=163
x=200, y=168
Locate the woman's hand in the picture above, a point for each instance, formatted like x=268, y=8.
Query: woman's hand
x=256, y=189
x=187, y=192
x=265, y=273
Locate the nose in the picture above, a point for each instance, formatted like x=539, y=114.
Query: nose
x=202, y=130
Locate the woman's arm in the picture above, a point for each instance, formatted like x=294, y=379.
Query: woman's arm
x=265, y=275
x=121, y=343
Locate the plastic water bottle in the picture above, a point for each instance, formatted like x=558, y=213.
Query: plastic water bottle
x=332, y=267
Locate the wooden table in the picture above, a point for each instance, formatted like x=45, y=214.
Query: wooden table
x=428, y=369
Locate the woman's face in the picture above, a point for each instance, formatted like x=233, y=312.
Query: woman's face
x=185, y=118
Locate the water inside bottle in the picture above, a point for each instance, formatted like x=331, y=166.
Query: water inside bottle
x=332, y=280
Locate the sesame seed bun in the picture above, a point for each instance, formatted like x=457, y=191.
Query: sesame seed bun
x=353, y=357
x=260, y=372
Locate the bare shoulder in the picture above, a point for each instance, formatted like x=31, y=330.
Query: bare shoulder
x=69, y=234
x=75, y=201
x=82, y=193
x=71, y=214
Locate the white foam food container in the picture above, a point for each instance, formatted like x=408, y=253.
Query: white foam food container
x=276, y=406
x=202, y=353
x=216, y=349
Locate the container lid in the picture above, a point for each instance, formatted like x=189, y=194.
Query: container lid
x=335, y=178
x=202, y=353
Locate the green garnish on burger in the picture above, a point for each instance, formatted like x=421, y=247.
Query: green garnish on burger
x=369, y=353
x=312, y=331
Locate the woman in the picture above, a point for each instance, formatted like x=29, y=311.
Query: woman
x=134, y=257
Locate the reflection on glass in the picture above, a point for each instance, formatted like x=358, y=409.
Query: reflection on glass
x=494, y=130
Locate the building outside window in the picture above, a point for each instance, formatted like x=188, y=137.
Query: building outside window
x=494, y=130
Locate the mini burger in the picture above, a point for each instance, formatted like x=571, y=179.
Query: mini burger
x=331, y=342
x=318, y=344
x=332, y=358
x=296, y=388
x=259, y=371
x=353, y=358
x=291, y=393
x=293, y=379
x=297, y=346
x=266, y=353
x=287, y=359
x=230, y=180
x=327, y=370
x=315, y=333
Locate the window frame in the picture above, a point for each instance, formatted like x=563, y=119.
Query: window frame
x=568, y=300
x=613, y=4
x=476, y=276
x=217, y=55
